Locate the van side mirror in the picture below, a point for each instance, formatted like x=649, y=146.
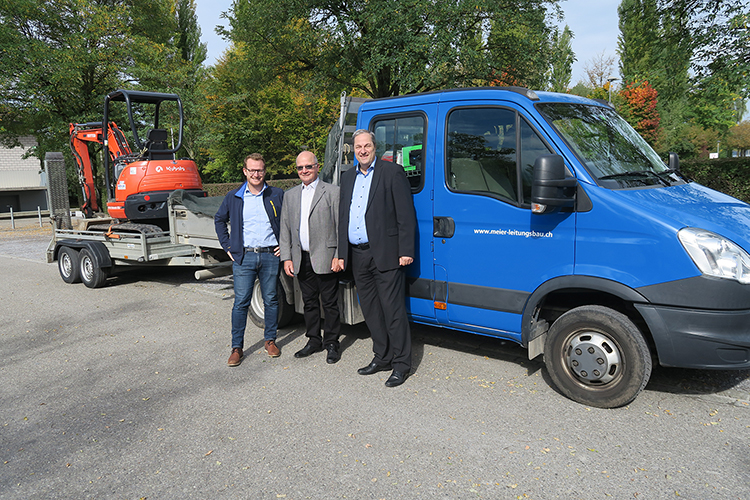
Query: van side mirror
x=674, y=162
x=551, y=189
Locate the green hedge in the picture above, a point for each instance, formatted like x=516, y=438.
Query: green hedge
x=728, y=175
x=223, y=189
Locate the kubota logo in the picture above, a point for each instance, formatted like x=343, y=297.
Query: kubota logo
x=159, y=169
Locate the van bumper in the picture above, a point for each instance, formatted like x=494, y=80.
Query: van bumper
x=699, y=338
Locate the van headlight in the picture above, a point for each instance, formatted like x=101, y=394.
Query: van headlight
x=715, y=255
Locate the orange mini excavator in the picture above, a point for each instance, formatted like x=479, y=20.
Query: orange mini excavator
x=140, y=180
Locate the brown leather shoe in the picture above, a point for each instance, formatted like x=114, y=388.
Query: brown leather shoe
x=236, y=357
x=272, y=349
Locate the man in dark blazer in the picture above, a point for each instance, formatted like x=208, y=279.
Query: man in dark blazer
x=377, y=223
x=309, y=249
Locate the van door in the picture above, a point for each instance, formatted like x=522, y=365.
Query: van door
x=402, y=137
x=490, y=251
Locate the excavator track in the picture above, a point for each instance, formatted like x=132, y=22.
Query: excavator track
x=127, y=227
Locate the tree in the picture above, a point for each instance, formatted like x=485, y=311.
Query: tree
x=638, y=107
x=277, y=119
x=694, y=54
x=61, y=57
x=562, y=59
x=720, y=29
x=599, y=69
x=739, y=138
x=189, y=33
x=638, y=22
x=713, y=102
x=388, y=47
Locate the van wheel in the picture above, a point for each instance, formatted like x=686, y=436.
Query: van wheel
x=256, y=310
x=68, y=263
x=597, y=356
x=92, y=275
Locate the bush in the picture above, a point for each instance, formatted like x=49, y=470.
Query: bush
x=728, y=175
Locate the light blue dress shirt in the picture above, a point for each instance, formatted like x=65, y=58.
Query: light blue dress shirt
x=361, y=193
x=256, y=228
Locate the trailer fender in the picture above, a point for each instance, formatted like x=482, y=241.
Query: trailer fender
x=97, y=248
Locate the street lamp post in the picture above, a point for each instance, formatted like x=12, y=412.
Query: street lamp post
x=609, y=90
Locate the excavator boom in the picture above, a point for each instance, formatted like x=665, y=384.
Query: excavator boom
x=80, y=135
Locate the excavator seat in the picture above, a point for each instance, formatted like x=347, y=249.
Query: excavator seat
x=156, y=141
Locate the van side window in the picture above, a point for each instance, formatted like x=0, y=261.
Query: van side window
x=487, y=147
x=400, y=140
x=481, y=151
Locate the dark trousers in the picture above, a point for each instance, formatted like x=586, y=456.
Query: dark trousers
x=319, y=289
x=382, y=297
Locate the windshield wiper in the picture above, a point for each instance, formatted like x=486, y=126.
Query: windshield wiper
x=669, y=171
x=636, y=173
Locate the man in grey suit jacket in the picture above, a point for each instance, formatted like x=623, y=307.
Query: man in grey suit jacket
x=308, y=243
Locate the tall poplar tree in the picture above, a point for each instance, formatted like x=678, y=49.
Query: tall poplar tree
x=562, y=59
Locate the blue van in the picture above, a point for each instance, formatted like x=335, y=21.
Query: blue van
x=547, y=220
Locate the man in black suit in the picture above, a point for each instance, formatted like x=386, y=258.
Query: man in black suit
x=378, y=223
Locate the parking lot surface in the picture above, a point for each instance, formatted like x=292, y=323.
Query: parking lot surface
x=123, y=392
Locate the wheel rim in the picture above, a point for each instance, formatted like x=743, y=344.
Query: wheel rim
x=593, y=358
x=66, y=265
x=87, y=268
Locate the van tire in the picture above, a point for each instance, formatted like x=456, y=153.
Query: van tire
x=256, y=309
x=597, y=356
x=68, y=262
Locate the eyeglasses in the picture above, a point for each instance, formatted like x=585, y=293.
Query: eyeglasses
x=300, y=168
x=254, y=172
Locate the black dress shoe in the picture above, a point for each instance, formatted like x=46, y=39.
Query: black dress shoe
x=372, y=368
x=396, y=378
x=307, y=350
x=333, y=354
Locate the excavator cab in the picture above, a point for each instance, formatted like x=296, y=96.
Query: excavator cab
x=138, y=179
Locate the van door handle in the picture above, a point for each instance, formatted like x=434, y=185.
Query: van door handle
x=443, y=227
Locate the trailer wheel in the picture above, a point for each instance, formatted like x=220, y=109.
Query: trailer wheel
x=286, y=311
x=92, y=275
x=597, y=356
x=68, y=262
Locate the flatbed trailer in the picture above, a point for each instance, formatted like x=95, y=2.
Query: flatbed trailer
x=91, y=251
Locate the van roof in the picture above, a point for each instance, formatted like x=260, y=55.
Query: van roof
x=514, y=94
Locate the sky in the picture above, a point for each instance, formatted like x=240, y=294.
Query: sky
x=594, y=24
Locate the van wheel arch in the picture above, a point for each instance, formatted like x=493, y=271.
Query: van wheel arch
x=558, y=295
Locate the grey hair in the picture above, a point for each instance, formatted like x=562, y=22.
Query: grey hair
x=364, y=131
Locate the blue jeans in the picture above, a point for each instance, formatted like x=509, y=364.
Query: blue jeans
x=264, y=266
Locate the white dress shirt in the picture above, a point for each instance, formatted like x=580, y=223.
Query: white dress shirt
x=308, y=191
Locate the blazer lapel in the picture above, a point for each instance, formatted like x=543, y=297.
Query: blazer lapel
x=295, y=203
x=376, y=179
x=318, y=195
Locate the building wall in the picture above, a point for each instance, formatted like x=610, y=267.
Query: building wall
x=23, y=183
x=11, y=159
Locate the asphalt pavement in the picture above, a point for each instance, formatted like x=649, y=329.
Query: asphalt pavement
x=123, y=392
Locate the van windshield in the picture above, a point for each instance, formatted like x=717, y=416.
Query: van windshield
x=612, y=151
